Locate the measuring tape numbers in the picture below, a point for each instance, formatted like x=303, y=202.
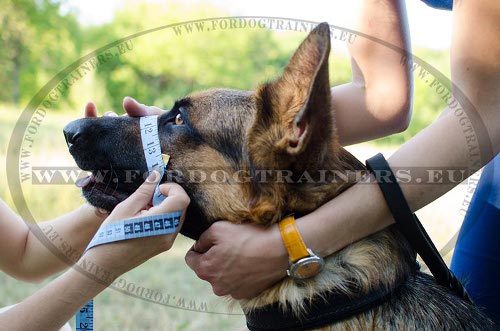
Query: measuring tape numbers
x=140, y=227
x=85, y=317
x=136, y=227
x=152, y=151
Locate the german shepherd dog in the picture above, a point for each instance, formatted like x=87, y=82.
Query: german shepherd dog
x=287, y=125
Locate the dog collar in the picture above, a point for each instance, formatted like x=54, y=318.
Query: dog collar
x=303, y=262
x=323, y=309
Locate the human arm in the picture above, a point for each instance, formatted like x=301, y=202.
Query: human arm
x=380, y=93
x=25, y=257
x=55, y=304
x=361, y=210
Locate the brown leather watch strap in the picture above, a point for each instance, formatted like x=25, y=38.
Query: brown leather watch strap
x=291, y=238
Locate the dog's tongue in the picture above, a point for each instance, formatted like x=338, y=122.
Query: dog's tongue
x=82, y=182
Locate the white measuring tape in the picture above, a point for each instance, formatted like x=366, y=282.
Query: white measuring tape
x=152, y=151
x=140, y=227
x=136, y=227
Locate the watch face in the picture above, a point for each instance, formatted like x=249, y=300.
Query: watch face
x=307, y=268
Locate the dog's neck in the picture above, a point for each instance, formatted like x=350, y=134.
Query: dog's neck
x=304, y=186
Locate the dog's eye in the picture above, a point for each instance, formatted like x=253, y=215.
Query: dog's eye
x=178, y=119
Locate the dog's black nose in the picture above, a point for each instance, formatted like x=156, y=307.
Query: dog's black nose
x=72, y=132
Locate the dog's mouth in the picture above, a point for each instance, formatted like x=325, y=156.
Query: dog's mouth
x=107, y=188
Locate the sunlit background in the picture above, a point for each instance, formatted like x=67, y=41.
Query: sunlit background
x=40, y=38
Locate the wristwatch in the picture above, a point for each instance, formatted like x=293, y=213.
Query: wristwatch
x=303, y=262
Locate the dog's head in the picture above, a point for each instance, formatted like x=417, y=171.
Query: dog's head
x=240, y=155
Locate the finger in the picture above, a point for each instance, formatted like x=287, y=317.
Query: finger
x=176, y=199
x=156, y=110
x=193, y=260
x=90, y=109
x=172, y=189
x=136, y=109
x=142, y=196
x=205, y=242
x=110, y=113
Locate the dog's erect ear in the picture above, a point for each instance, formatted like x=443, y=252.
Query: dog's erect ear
x=294, y=117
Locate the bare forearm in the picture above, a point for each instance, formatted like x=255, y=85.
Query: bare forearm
x=341, y=222
x=356, y=122
x=75, y=229
x=51, y=307
x=380, y=93
x=361, y=210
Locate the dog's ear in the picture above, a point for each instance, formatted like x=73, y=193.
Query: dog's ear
x=294, y=117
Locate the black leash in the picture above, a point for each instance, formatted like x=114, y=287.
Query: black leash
x=409, y=225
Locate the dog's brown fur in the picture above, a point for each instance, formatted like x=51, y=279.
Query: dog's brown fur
x=284, y=125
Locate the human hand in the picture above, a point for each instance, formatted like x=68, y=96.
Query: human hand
x=136, y=109
x=131, y=107
x=120, y=257
x=240, y=260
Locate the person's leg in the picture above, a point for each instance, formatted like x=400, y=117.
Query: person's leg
x=476, y=260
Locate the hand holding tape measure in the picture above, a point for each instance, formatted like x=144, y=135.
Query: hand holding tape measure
x=136, y=219
x=135, y=232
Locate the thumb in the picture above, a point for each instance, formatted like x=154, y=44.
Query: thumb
x=205, y=242
x=176, y=199
x=136, y=109
x=143, y=195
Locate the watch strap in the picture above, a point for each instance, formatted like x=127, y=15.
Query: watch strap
x=291, y=238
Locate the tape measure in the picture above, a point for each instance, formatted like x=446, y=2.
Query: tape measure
x=85, y=317
x=152, y=151
x=136, y=227
x=139, y=227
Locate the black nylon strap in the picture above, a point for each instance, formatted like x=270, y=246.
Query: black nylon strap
x=324, y=309
x=409, y=225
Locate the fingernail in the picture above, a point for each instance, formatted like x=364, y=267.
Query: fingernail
x=110, y=113
x=153, y=176
x=100, y=212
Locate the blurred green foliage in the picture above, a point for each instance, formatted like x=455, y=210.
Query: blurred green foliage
x=36, y=41
x=168, y=64
x=41, y=38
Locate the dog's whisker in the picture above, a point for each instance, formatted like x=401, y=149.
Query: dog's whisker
x=93, y=187
x=110, y=178
x=117, y=180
